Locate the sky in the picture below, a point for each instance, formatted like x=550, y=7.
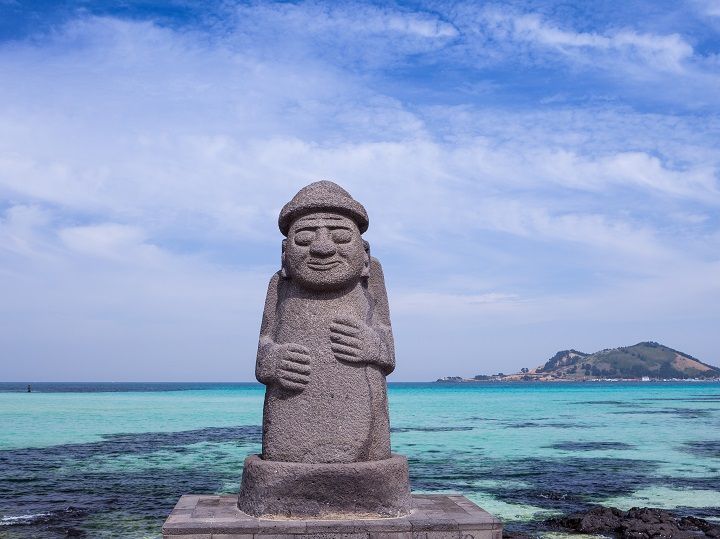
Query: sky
x=539, y=176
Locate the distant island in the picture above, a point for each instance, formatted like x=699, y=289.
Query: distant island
x=643, y=361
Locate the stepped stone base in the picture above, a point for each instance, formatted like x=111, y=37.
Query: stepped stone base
x=379, y=488
x=431, y=517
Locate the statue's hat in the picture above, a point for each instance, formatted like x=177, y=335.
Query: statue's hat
x=322, y=196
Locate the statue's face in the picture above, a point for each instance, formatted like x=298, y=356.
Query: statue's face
x=324, y=251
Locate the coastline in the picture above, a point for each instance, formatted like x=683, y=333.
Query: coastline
x=525, y=379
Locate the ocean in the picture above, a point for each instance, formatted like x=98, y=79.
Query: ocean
x=110, y=460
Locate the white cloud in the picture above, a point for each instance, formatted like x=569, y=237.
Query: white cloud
x=623, y=61
x=131, y=155
x=176, y=145
x=107, y=240
x=194, y=166
x=615, y=237
x=661, y=51
x=352, y=33
x=349, y=17
x=18, y=238
x=96, y=301
x=629, y=169
x=710, y=8
x=444, y=304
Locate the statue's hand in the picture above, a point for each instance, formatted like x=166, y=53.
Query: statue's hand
x=293, y=367
x=352, y=340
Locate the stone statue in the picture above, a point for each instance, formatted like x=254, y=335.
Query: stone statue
x=325, y=348
x=325, y=343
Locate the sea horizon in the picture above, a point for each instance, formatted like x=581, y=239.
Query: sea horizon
x=148, y=385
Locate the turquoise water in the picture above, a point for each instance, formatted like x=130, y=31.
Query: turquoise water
x=110, y=460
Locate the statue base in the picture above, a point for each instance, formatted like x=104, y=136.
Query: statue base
x=378, y=488
x=432, y=517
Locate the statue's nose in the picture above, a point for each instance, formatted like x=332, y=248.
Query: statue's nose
x=322, y=245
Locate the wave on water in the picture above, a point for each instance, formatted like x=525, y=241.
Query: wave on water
x=21, y=519
x=49, y=517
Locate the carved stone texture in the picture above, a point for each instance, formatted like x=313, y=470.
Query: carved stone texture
x=325, y=490
x=325, y=348
x=325, y=342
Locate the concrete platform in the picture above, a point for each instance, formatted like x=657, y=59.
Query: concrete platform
x=433, y=517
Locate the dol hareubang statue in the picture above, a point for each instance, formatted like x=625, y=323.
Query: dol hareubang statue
x=325, y=343
x=325, y=348
x=326, y=470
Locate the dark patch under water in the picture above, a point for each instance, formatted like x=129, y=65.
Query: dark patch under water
x=59, y=489
x=589, y=446
x=689, y=398
x=611, y=403
x=536, y=422
x=565, y=484
x=562, y=483
x=704, y=448
x=548, y=424
x=690, y=413
x=430, y=429
x=133, y=444
x=64, y=492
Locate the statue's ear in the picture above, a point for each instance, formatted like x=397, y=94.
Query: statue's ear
x=366, y=268
x=283, y=271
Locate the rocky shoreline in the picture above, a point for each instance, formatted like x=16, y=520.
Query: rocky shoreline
x=636, y=523
x=527, y=378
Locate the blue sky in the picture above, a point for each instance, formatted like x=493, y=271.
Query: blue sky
x=539, y=176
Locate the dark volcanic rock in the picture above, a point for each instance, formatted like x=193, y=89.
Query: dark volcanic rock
x=513, y=534
x=637, y=523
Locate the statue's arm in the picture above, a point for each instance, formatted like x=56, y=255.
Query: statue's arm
x=380, y=321
x=385, y=358
x=286, y=365
x=367, y=341
x=267, y=357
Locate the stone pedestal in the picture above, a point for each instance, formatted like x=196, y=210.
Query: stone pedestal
x=379, y=488
x=432, y=517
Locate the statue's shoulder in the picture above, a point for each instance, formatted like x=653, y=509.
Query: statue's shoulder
x=376, y=271
x=276, y=278
x=376, y=279
x=276, y=283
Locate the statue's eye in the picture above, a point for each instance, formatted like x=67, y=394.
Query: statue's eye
x=341, y=235
x=304, y=237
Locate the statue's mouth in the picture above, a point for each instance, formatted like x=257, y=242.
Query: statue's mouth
x=318, y=265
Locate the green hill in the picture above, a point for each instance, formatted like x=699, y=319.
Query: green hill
x=643, y=359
